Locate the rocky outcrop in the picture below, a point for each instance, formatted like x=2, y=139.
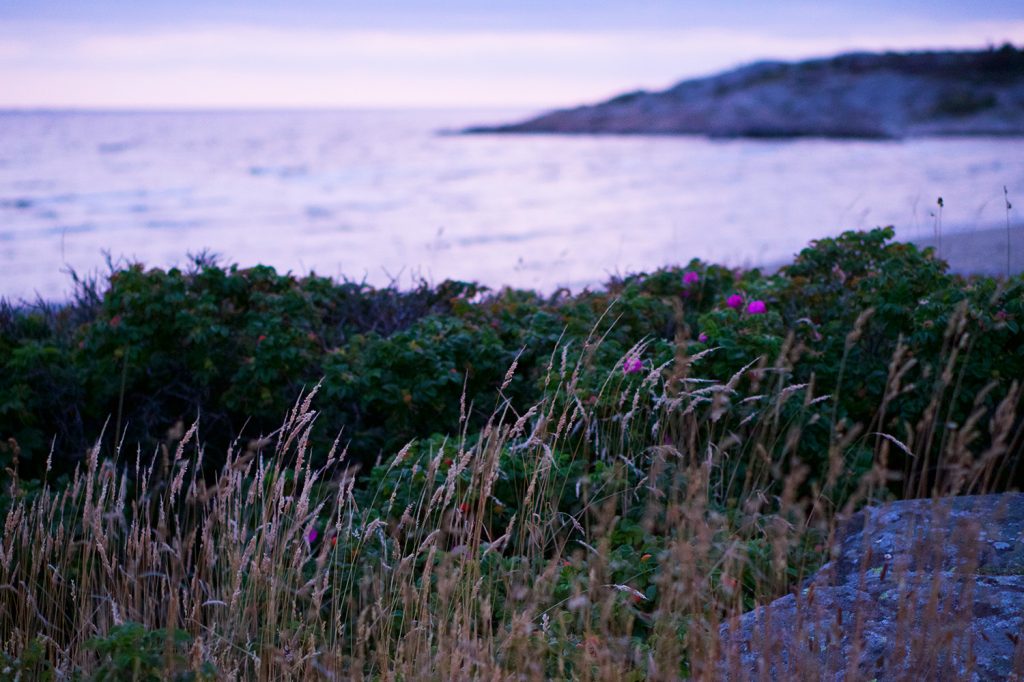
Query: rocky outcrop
x=858, y=95
x=915, y=590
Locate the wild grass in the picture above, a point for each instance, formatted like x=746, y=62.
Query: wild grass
x=562, y=540
x=1009, y=207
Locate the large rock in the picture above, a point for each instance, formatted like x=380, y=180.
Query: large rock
x=863, y=95
x=915, y=590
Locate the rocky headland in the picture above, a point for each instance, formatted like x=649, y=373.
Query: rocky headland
x=857, y=95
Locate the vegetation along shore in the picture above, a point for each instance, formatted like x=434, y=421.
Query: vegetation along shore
x=221, y=472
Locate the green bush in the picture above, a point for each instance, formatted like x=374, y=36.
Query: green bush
x=131, y=652
x=411, y=382
x=236, y=346
x=667, y=452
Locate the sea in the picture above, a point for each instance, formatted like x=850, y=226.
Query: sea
x=399, y=197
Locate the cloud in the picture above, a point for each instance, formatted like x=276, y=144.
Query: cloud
x=259, y=66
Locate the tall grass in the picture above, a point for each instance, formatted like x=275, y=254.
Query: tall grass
x=607, y=539
x=1009, y=206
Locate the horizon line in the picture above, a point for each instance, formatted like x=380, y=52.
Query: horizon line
x=262, y=108
x=539, y=107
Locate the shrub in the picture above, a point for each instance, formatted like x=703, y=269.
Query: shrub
x=131, y=652
x=552, y=510
x=157, y=348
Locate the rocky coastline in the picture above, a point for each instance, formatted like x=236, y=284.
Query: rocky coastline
x=857, y=95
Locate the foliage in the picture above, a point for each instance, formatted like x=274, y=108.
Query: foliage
x=131, y=652
x=31, y=664
x=563, y=487
x=158, y=348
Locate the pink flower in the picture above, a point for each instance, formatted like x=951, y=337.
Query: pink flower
x=756, y=307
x=690, y=277
x=734, y=301
x=1001, y=315
x=703, y=338
x=632, y=365
x=312, y=536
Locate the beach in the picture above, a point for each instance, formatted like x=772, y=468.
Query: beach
x=980, y=252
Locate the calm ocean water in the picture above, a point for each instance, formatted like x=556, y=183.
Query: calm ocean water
x=378, y=195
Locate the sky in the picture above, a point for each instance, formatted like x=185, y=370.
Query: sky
x=171, y=54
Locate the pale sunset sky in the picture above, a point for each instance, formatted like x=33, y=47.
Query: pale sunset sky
x=454, y=53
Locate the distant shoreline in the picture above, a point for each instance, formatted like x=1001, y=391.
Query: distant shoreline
x=979, y=252
x=968, y=252
x=872, y=96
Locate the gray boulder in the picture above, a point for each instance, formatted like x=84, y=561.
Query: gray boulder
x=915, y=590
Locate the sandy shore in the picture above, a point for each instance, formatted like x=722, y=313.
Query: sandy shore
x=980, y=252
x=974, y=252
